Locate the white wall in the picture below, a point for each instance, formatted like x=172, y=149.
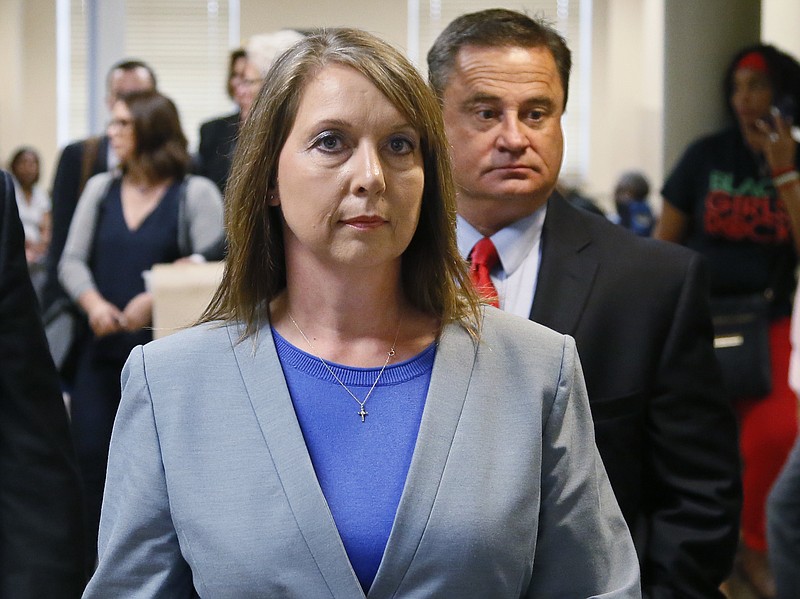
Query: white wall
x=28, y=67
x=387, y=18
x=627, y=93
x=780, y=25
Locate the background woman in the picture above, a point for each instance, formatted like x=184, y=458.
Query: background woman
x=246, y=71
x=123, y=225
x=348, y=420
x=735, y=197
x=34, y=211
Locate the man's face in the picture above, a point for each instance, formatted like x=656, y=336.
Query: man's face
x=502, y=113
x=121, y=82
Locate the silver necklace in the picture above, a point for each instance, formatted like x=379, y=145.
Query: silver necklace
x=389, y=355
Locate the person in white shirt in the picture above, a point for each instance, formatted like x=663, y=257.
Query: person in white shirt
x=33, y=203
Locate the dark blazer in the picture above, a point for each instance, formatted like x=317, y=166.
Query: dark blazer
x=40, y=508
x=67, y=187
x=217, y=144
x=638, y=310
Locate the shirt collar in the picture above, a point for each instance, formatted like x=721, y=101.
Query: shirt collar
x=513, y=242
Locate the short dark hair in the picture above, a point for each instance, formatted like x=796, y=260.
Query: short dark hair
x=494, y=28
x=131, y=64
x=633, y=183
x=160, y=143
x=235, y=55
x=783, y=73
x=434, y=276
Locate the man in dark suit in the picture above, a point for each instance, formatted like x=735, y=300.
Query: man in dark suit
x=41, y=534
x=82, y=160
x=217, y=144
x=637, y=308
x=218, y=136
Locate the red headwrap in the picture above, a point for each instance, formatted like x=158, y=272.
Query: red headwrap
x=753, y=60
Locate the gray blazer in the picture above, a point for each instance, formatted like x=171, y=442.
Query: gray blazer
x=210, y=489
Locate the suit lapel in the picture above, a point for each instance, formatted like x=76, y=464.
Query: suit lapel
x=227, y=134
x=263, y=378
x=567, y=270
x=452, y=369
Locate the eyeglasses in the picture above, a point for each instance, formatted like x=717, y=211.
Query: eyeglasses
x=120, y=123
x=248, y=82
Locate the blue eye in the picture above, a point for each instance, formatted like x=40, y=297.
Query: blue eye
x=401, y=145
x=328, y=142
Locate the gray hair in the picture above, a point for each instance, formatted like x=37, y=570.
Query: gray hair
x=263, y=48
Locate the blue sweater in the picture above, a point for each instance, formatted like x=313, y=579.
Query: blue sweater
x=361, y=466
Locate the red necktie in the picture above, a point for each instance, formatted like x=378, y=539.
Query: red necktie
x=483, y=258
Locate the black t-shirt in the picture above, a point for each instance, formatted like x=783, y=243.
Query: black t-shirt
x=736, y=219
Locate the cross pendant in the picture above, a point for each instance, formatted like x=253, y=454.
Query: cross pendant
x=363, y=413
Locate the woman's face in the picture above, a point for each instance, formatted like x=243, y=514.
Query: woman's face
x=237, y=74
x=751, y=99
x=120, y=132
x=350, y=175
x=247, y=88
x=26, y=169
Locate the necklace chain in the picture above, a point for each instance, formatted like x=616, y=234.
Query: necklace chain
x=389, y=355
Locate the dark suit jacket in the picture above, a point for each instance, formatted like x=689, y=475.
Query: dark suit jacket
x=638, y=310
x=40, y=507
x=65, y=194
x=217, y=144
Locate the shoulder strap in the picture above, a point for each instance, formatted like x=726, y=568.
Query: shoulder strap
x=102, y=203
x=91, y=148
x=102, y=188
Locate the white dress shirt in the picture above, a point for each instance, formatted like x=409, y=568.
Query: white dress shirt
x=520, y=250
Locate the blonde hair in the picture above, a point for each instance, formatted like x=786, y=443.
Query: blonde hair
x=434, y=277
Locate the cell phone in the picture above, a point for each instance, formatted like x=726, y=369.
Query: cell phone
x=785, y=106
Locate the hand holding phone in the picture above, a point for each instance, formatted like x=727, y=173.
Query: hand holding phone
x=782, y=110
